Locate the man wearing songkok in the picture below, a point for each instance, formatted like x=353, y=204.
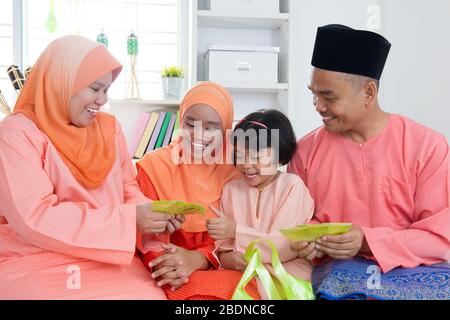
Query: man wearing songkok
x=382, y=172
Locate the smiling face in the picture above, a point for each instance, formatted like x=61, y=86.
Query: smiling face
x=83, y=106
x=201, y=123
x=340, y=103
x=256, y=166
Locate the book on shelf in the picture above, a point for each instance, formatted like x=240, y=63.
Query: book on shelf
x=176, y=127
x=153, y=130
x=149, y=130
x=138, y=132
x=155, y=135
x=169, y=132
x=163, y=131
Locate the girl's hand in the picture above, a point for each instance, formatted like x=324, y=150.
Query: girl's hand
x=149, y=222
x=175, y=266
x=307, y=250
x=221, y=228
x=233, y=260
x=175, y=223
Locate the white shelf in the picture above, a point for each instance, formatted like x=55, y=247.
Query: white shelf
x=242, y=87
x=126, y=103
x=242, y=28
x=211, y=19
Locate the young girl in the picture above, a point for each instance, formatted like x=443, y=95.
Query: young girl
x=265, y=199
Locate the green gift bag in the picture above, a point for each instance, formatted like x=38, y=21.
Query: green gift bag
x=280, y=286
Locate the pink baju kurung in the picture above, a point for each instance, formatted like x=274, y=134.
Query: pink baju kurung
x=52, y=228
x=395, y=186
x=284, y=203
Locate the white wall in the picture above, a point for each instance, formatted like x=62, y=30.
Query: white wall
x=306, y=16
x=417, y=73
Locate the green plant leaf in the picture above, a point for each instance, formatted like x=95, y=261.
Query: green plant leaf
x=172, y=72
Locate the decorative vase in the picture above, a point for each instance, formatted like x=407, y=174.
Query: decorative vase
x=172, y=88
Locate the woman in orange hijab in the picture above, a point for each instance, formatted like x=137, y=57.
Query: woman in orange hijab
x=70, y=204
x=183, y=171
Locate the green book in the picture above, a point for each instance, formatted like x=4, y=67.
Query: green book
x=163, y=131
x=175, y=133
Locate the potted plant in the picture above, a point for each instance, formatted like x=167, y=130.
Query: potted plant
x=172, y=82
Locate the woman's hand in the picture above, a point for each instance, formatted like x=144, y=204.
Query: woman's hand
x=221, y=228
x=344, y=246
x=233, y=260
x=175, y=223
x=149, y=222
x=175, y=266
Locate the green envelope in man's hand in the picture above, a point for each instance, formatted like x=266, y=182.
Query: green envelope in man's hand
x=177, y=207
x=312, y=232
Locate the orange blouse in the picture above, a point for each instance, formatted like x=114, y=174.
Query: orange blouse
x=199, y=241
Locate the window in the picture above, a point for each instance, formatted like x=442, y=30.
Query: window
x=6, y=50
x=155, y=22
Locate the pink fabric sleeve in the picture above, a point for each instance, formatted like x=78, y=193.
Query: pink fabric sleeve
x=297, y=167
x=149, y=242
x=34, y=211
x=222, y=245
x=132, y=192
x=226, y=244
x=427, y=240
x=296, y=208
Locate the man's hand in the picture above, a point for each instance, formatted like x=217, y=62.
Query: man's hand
x=344, y=246
x=221, y=228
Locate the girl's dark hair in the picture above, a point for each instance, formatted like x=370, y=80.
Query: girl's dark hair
x=272, y=119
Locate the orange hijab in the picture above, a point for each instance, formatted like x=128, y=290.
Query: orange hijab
x=67, y=66
x=198, y=183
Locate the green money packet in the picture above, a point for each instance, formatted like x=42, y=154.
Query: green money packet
x=312, y=232
x=177, y=207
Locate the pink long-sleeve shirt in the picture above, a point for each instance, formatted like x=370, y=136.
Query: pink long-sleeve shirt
x=283, y=204
x=396, y=186
x=48, y=220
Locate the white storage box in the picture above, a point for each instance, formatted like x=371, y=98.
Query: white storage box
x=237, y=7
x=227, y=63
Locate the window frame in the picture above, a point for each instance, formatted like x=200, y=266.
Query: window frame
x=19, y=43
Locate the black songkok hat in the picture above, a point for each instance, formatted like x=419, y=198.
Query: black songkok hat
x=343, y=49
